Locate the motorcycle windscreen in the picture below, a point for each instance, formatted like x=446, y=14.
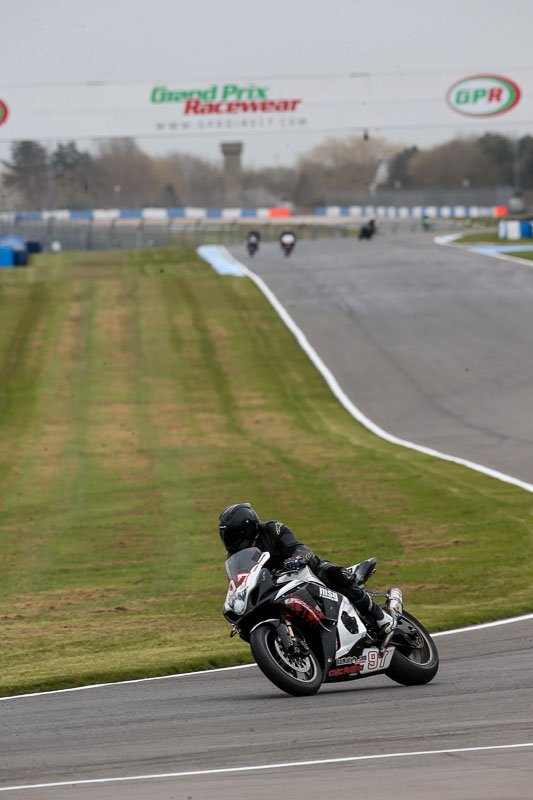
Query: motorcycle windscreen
x=242, y=562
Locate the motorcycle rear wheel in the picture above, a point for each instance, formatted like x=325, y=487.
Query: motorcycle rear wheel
x=299, y=675
x=417, y=664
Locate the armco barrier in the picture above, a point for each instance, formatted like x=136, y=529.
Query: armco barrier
x=228, y=214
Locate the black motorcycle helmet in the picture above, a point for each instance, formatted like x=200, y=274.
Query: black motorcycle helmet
x=238, y=526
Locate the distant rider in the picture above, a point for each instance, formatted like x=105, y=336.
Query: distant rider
x=368, y=229
x=287, y=237
x=252, y=242
x=240, y=527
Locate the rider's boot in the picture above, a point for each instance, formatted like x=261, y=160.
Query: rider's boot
x=371, y=612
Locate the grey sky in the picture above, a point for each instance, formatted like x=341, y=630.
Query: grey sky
x=70, y=41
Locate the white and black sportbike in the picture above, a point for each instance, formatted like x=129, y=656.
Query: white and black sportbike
x=303, y=634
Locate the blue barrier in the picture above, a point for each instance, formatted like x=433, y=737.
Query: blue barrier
x=81, y=214
x=131, y=213
x=18, y=248
x=7, y=256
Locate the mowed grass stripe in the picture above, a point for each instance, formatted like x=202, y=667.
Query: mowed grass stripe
x=150, y=392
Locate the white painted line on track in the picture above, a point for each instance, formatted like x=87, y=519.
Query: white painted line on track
x=339, y=393
x=259, y=767
x=482, y=625
x=451, y=242
x=508, y=621
x=124, y=683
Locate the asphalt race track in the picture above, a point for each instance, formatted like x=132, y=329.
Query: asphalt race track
x=482, y=697
x=434, y=345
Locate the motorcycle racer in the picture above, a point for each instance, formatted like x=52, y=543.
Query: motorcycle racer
x=368, y=229
x=287, y=238
x=240, y=527
x=253, y=236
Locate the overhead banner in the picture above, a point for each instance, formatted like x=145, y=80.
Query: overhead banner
x=379, y=103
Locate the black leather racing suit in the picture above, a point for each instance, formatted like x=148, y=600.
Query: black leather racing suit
x=278, y=539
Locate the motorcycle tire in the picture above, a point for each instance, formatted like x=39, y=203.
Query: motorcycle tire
x=411, y=666
x=295, y=675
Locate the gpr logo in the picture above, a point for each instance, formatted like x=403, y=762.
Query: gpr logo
x=483, y=95
x=3, y=112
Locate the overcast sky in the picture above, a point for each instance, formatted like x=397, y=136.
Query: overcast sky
x=70, y=41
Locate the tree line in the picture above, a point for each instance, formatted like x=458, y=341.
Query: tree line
x=120, y=174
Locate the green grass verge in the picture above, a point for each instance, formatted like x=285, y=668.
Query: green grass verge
x=490, y=237
x=527, y=254
x=141, y=393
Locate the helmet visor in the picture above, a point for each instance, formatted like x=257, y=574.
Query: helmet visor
x=237, y=539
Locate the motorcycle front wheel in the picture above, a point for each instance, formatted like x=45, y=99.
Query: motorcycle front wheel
x=298, y=674
x=415, y=659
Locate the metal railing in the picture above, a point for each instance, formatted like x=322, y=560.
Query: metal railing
x=136, y=235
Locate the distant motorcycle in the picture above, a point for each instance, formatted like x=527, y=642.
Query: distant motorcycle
x=303, y=634
x=252, y=243
x=367, y=230
x=252, y=247
x=287, y=241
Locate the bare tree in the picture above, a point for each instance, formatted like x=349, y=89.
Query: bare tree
x=125, y=176
x=340, y=164
x=196, y=182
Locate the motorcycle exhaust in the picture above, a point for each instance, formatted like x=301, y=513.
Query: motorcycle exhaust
x=394, y=607
x=394, y=604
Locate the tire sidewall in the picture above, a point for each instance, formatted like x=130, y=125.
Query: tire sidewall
x=274, y=672
x=407, y=672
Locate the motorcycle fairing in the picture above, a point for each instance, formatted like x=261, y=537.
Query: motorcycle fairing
x=340, y=634
x=249, y=581
x=313, y=604
x=370, y=661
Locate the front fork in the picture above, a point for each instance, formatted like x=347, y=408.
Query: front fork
x=286, y=635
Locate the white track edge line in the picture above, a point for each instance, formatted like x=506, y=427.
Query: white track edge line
x=125, y=683
x=258, y=767
x=482, y=625
x=443, y=241
x=507, y=621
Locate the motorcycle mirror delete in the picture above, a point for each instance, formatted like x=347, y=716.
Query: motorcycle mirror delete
x=303, y=634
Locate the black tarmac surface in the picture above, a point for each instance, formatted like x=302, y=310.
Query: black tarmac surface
x=434, y=344
x=482, y=696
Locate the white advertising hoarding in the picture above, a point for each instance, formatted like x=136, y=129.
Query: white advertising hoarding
x=376, y=102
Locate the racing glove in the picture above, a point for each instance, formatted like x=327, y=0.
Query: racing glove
x=294, y=563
